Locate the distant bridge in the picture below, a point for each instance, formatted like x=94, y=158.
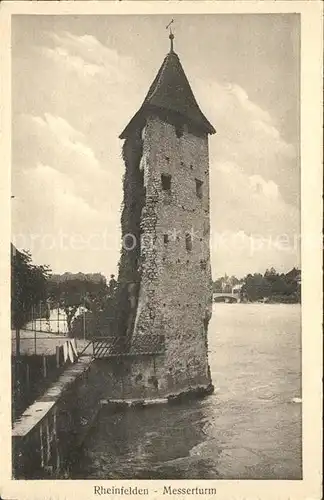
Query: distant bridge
x=226, y=297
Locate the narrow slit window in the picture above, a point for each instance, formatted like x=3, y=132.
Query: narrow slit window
x=199, y=188
x=188, y=242
x=165, y=238
x=179, y=129
x=203, y=264
x=166, y=182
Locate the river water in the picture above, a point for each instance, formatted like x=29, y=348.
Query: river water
x=250, y=428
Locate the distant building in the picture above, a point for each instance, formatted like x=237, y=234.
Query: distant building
x=236, y=289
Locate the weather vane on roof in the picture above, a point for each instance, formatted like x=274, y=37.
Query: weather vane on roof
x=171, y=35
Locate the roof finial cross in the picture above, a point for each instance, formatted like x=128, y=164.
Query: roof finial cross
x=171, y=35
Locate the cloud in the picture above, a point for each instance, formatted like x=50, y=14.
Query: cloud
x=254, y=184
x=46, y=200
x=59, y=226
x=67, y=166
x=57, y=125
x=61, y=188
x=268, y=188
x=88, y=56
x=67, y=155
x=93, y=87
x=88, y=46
x=249, y=203
x=248, y=136
x=72, y=62
x=60, y=194
x=51, y=140
x=238, y=253
x=70, y=138
x=54, y=195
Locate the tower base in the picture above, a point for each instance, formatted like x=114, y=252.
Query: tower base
x=192, y=393
x=145, y=378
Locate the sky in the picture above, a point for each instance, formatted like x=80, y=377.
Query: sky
x=78, y=80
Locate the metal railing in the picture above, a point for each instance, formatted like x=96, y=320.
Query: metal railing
x=112, y=347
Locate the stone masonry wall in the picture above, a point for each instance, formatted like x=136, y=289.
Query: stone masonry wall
x=47, y=436
x=175, y=293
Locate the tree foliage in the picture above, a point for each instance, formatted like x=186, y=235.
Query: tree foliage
x=71, y=294
x=28, y=286
x=270, y=286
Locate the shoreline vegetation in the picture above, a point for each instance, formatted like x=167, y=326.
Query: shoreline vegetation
x=89, y=301
x=268, y=288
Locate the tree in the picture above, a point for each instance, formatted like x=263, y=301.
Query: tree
x=28, y=288
x=217, y=285
x=255, y=287
x=112, y=287
x=274, y=286
x=72, y=293
x=270, y=273
x=279, y=285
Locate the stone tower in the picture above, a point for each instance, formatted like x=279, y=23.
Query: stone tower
x=165, y=270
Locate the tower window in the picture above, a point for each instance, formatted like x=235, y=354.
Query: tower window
x=199, y=190
x=179, y=130
x=166, y=182
x=188, y=242
x=203, y=264
x=165, y=239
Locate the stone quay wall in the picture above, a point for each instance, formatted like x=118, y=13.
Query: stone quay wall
x=47, y=437
x=54, y=425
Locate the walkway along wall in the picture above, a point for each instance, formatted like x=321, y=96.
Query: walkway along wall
x=47, y=437
x=46, y=433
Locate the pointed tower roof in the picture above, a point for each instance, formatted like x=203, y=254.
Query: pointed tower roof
x=170, y=92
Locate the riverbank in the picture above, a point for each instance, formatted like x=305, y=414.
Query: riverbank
x=250, y=428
